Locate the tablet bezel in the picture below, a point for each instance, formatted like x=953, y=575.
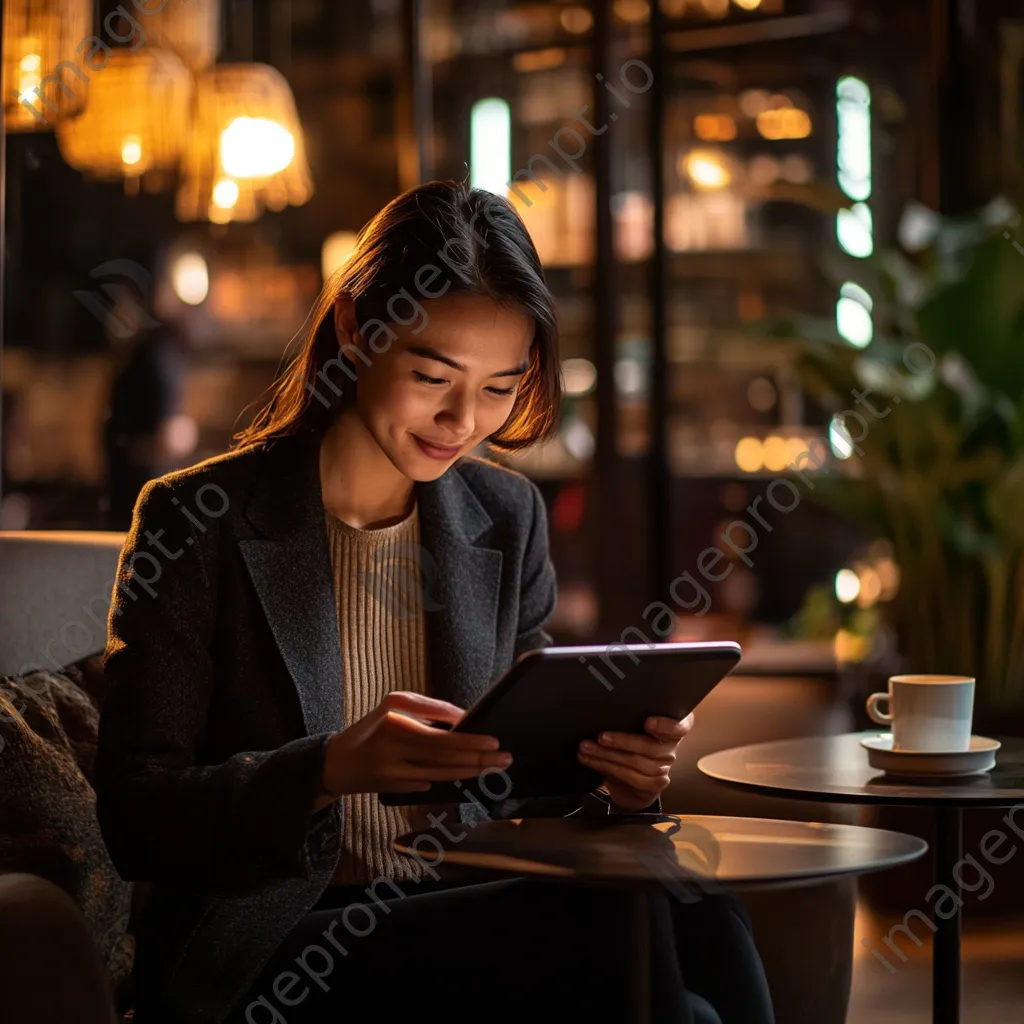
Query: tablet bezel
x=526, y=661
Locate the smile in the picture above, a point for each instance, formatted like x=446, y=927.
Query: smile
x=436, y=451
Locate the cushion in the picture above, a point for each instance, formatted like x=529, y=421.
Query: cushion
x=48, y=729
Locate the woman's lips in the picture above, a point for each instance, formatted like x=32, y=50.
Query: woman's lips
x=436, y=451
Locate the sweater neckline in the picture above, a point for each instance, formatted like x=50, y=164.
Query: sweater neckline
x=373, y=532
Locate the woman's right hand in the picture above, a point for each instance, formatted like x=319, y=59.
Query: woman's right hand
x=389, y=751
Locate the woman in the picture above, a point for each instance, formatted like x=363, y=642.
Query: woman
x=240, y=756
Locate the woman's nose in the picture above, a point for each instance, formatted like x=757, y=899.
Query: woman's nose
x=459, y=417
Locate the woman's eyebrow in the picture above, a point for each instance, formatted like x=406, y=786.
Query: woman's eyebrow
x=431, y=353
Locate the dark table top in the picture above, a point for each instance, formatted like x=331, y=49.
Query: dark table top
x=836, y=768
x=696, y=848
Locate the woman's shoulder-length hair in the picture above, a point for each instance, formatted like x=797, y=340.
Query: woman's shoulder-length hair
x=438, y=238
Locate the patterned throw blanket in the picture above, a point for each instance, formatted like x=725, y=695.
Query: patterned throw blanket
x=48, y=728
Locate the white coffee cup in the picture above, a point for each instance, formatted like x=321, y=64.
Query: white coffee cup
x=927, y=713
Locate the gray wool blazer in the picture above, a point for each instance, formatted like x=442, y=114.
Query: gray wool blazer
x=224, y=666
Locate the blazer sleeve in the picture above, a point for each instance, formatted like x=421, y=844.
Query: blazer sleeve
x=164, y=814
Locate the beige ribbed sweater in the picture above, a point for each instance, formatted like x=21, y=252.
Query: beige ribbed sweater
x=383, y=648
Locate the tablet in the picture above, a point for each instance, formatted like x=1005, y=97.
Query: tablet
x=553, y=698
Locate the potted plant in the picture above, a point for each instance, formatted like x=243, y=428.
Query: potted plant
x=925, y=386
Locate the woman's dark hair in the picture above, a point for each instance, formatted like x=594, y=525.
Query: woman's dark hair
x=438, y=232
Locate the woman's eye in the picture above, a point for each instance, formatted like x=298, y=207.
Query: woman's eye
x=425, y=379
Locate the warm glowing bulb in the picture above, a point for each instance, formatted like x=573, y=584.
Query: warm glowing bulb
x=255, y=147
x=784, y=123
x=28, y=79
x=131, y=150
x=749, y=456
x=30, y=69
x=714, y=127
x=706, y=170
x=190, y=278
x=847, y=586
x=225, y=194
x=775, y=453
x=748, y=5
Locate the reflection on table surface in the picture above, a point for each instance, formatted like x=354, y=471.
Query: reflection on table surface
x=694, y=848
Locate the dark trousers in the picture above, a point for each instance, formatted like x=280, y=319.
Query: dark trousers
x=513, y=950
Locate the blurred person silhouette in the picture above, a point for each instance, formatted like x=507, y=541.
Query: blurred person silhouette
x=143, y=409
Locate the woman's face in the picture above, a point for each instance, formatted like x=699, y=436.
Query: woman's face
x=446, y=381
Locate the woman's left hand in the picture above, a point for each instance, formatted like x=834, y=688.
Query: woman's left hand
x=636, y=766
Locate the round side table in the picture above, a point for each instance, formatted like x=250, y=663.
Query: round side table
x=684, y=853
x=836, y=768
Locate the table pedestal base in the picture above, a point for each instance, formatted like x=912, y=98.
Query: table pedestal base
x=640, y=975
x=946, y=954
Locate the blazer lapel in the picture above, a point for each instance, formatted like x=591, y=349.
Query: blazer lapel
x=290, y=568
x=461, y=582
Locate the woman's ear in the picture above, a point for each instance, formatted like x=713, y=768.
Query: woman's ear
x=346, y=326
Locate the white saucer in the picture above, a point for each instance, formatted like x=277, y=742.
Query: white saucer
x=981, y=757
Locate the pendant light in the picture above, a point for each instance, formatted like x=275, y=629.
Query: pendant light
x=137, y=118
x=246, y=152
x=48, y=61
